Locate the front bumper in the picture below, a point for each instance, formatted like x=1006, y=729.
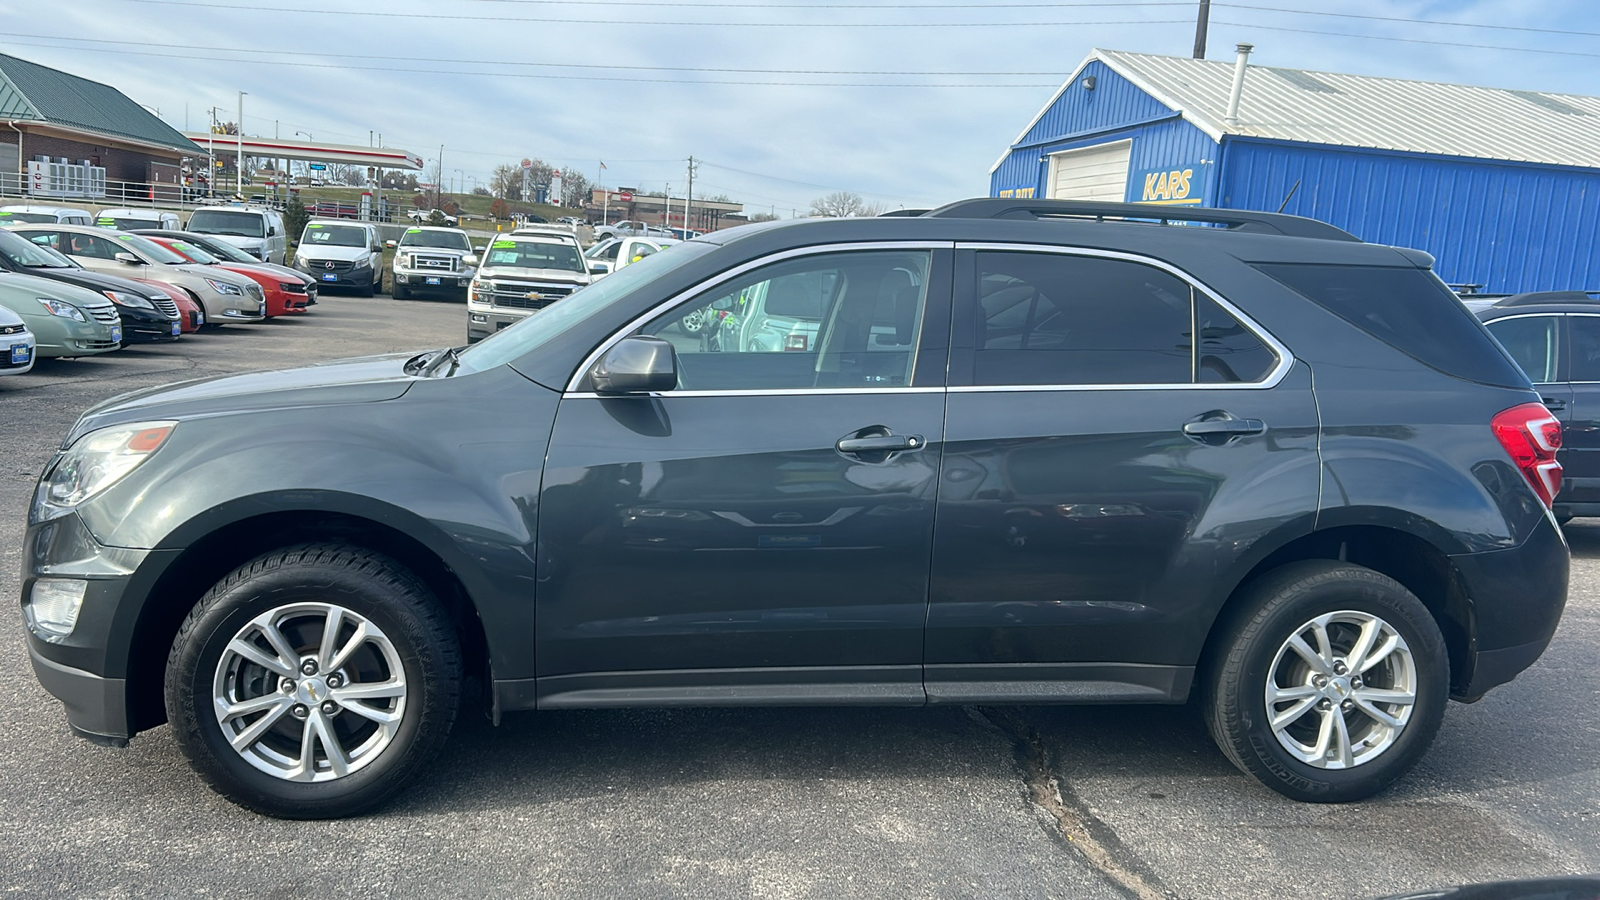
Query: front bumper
x=484, y=320
x=97, y=707
x=142, y=326
x=416, y=281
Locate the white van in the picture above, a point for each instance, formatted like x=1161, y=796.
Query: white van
x=35, y=214
x=132, y=219
x=255, y=230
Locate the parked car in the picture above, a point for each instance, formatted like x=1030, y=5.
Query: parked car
x=65, y=321
x=342, y=254
x=612, y=254
x=430, y=260
x=421, y=216
x=1042, y=451
x=1555, y=338
x=35, y=213
x=135, y=219
x=521, y=273
x=283, y=297
x=288, y=277
x=192, y=317
x=627, y=227
x=226, y=297
x=146, y=314
x=255, y=230
x=16, y=344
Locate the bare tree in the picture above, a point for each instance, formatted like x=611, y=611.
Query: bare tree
x=841, y=204
x=505, y=181
x=763, y=217
x=344, y=173
x=574, y=189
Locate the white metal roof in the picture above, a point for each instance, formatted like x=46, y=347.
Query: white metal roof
x=1365, y=111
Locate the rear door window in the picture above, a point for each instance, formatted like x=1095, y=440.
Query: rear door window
x=1060, y=319
x=1534, y=342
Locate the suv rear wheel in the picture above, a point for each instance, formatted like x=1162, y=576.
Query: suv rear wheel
x=313, y=682
x=1330, y=685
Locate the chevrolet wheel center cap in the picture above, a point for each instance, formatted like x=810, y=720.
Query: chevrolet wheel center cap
x=311, y=691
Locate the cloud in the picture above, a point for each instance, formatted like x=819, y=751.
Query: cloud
x=770, y=138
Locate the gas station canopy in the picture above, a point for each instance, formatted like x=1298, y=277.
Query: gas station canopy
x=278, y=148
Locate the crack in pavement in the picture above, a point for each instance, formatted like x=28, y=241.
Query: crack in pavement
x=1094, y=840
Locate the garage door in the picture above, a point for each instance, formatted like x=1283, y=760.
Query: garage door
x=1092, y=173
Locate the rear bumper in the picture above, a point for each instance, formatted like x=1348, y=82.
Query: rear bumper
x=1517, y=597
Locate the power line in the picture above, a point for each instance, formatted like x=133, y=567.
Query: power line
x=1380, y=37
x=1342, y=15
x=416, y=71
x=436, y=18
x=512, y=62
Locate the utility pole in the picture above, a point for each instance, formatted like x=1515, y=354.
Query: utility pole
x=211, y=152
x=378, y=209
x=666, y=217
x=1201, y=24
x=240, y=136
x=688, y=200
x=438, y=177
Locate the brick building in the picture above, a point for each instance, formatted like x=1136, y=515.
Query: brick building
x=69, y=137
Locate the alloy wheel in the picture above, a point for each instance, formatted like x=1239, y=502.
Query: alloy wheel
x=1341, y=689
x=309, y=692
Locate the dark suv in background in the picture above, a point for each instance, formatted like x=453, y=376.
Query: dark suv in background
x=1003, y=452
x=1555, y=338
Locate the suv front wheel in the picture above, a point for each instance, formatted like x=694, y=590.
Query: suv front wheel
x=313, y=682
x=1330, y=684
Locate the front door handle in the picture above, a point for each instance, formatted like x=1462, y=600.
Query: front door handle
x=1229, y=427
x=879, y=443
x=1554, y=404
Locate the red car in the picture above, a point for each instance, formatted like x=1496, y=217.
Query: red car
x=280, y=299
x=189, y=312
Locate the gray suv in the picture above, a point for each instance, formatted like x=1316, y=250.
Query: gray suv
x=1004, y=452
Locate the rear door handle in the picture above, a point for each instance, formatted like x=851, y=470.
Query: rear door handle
x=880, y=443
x=1553, y=404
x=1224, y=426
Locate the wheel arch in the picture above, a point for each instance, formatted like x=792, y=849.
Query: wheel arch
x=1411, y=559
x=244, y=534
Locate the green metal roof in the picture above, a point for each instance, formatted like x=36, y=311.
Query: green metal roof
x=29, y=91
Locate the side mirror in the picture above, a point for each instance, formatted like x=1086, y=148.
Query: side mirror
x=471, y=259
x=599, y=268
x=127, y=258
x=391, y=244
x=272, y=231
x=637, y=364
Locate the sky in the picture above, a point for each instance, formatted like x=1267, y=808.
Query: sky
x=905, y=102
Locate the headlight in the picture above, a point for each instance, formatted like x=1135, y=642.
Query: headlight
x=62, y=308
x=123, y=299
x=362, y=263
x=95, y=462
x=222, y=287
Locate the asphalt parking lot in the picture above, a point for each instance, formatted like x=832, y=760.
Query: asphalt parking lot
x=826, y=803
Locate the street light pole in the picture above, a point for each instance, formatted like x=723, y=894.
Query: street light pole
x=240, y=136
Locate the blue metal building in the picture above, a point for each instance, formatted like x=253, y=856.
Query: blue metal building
x=1502, y=187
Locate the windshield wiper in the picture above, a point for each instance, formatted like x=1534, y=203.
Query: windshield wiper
x=452, y=355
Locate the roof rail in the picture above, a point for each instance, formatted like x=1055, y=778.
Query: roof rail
x=1534, y=298
x=1234, y=219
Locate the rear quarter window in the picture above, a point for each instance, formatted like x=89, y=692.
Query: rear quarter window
x=1409, y=309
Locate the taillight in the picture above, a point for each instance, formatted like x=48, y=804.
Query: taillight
x=1532, y=436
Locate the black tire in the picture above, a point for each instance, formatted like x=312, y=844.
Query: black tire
x=1266, y=616
x=364, y=585
x=399, y=292
x=365, y=291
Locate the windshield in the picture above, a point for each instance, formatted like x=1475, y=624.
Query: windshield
x=224, y=250
x=553, y=321
x=448, y=240
x=525, y=254
x=126, y=223
x=194, y=253
x=227, y=221
x=23, y=252
x=151, y=250
x=320, y=235
x=13, y=218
